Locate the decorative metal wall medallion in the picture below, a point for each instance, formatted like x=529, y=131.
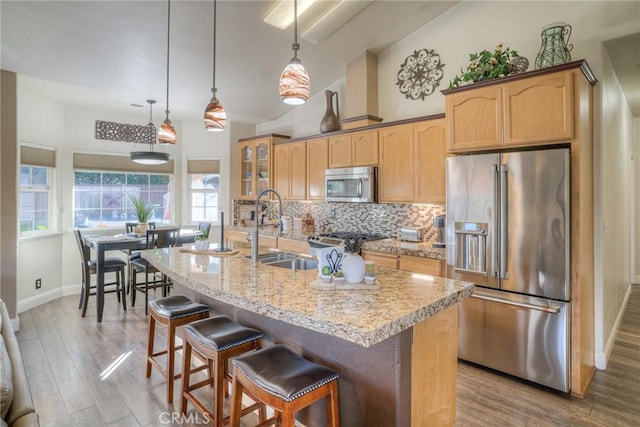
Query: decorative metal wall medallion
x=113, y=131
x=420, y=74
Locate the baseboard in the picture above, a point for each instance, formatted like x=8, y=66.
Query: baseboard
x=602, y=358
x=43, y=298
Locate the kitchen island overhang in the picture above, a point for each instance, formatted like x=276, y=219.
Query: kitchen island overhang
x=393, y=346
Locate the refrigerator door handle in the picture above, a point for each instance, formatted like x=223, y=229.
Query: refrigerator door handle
x=495, y=268
x=504, y=221
x=544, y=308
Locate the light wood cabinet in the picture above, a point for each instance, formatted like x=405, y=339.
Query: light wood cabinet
x=474, y=119
x=353, y=149
x=293, y=245
x=413, y=162
x=317, y=163
x=256, y=165
x=234, y=236
x=290, y=170
x=430, y=266
x=538, y=110
x=519, y=113
x=430, y=161
x=381, y=259
x=396, y=171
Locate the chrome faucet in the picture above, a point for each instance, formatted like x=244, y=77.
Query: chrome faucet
x=254, y=233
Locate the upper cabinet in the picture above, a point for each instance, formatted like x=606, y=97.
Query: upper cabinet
x=317, y=163
x=290, y=170
x=529, y=111
x=353, y=149
x=256, y=165
x=431, y=161
x=396, y=171
x=412, y=162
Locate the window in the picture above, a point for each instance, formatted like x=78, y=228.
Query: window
x=101, y=198
x=36, y=200
x=34, y=213
x=204, y=184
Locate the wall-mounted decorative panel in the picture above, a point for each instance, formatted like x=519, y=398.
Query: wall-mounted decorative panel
x=113, y=131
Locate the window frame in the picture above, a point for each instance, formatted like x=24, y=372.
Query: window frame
x=191, y=191
x=108, y=225
x=30, y=188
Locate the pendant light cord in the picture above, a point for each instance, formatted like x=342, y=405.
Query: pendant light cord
x=295, y=46
x=215, y=17
x=168, y=38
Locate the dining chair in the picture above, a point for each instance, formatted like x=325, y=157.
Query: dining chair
x=130, y=226
x=157, y=238
x=112, y=265
x=133, y=254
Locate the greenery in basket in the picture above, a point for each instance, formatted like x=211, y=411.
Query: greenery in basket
x=353, y=245
x=142, y=211
x=338, y=275
x=485, y=66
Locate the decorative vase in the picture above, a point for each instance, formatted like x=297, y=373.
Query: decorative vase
x=353, y=268
x=330, y=120
x=201, y=245
x=554, y=49
x=143, y=227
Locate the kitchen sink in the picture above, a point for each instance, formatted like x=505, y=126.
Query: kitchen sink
x=273, y=257
x=295, y=263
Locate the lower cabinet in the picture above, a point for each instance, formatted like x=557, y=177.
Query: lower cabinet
x=381, y=259
x=232, y=237
x=430, y=266
x=414, y=264
x=293, y=245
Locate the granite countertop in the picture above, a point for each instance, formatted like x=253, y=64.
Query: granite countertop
x=364, y=317
x=391, y=246
x=395, y=246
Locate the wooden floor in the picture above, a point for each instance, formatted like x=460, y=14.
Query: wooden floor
x=67, y=359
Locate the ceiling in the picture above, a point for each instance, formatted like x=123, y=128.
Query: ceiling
x=116, y=50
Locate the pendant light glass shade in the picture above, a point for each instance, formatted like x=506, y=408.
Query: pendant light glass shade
x=215, y=119
x=167, y=133
x=295, y=83
x=150, y=157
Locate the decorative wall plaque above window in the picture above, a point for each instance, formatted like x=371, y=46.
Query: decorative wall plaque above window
x=420, y=74
x=112, y=131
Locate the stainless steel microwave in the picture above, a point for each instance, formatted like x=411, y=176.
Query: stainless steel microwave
x=351, y=184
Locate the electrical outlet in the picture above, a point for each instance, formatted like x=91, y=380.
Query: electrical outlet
x=38, y=283
x=332, y=213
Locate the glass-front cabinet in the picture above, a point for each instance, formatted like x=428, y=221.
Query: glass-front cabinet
x=256, y=165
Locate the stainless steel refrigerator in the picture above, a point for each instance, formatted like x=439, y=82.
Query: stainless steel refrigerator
x=508, y=231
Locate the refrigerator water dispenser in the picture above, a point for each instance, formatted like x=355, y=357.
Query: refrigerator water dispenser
x=471, y=247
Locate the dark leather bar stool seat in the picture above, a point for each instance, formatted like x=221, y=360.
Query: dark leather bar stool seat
x=286, y=382
x=216, y=340
x=172, y=312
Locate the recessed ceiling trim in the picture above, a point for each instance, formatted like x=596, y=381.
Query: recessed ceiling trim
x=281, y=16
x=334, y=19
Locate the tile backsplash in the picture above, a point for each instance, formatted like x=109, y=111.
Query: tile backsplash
x=382, y=218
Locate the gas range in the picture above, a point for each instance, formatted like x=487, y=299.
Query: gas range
x=336, y=238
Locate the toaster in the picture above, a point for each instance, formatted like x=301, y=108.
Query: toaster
x=412, y=234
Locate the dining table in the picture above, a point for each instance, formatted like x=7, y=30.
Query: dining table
x=102, y=243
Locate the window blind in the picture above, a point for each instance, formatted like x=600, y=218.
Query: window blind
x=37, y=156
x=117, y=163
x=203, y=166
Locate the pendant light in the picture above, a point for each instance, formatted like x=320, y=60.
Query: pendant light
x=166, y=132
x=150, y=157
x=215, y=119
x=295, y=84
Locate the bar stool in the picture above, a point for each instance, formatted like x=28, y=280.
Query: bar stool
x=216, y=340
x=286, y=382
x=172, y=312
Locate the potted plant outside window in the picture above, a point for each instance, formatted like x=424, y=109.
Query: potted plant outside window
x=143, y=213
x=202, y=241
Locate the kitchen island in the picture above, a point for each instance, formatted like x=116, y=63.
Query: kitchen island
x=394, y=347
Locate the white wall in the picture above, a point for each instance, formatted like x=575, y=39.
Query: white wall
x=613, y=213
x=470, y=27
